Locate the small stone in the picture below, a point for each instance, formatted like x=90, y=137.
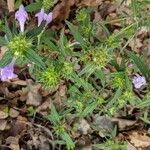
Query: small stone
x=13, y=113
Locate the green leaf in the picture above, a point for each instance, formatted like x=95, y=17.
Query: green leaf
x=18, y=3
x=54, y=116
x=70, y=144
x=88, y=109
x=34, y=32
x=7, y=30
x=145, y=70
x=3, y=42
x=49, y=43
x=145, y=103
x=7, y=58
x=134, y=7
x=88, y=70
x=114, y=98
x=77, y=35
x=63, y=43
x=99, y=73
x=34, y=6
x=34, y=57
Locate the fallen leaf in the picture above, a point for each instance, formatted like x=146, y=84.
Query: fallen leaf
x=61, y=10
x=3, y=49
x=13, y=113
x=3, y=115
x=140, y=141
x=86, y=148
x=34, y=97
x=84, y=126
x=130, y=146
x=44, y=107
x=104, y=125
x=89, y=2
x=18, y=126
x=13, y=143
x=3, y=124
x=124, y=124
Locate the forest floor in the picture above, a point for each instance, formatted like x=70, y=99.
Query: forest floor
x=95, y=94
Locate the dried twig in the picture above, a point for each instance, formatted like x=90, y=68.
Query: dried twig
x=11, y=5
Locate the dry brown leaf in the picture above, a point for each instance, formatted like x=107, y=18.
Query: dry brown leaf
x=18, y=126
x=84, y=126
x=89, y=2
x=3, y=124
x=3, y=49
x=13, y=143
x=86, y=148
x=139, y=141
x=34, y=97
x=104, y=125
x=3, y=115
x=124, y=124
x=13, y=113
x=61, y=10
x=130, y=146
x=136, y=45
x=43, y=109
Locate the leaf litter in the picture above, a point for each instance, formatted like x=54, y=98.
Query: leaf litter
x=26, y=132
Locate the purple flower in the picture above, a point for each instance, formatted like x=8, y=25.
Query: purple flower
x=138, y=81
x=48, y=18
x=43, y=17
x=21, y=15
x=40, y=16
x=6, y=73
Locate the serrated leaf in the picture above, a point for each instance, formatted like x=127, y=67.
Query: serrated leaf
x=88, y=109
x=54, y=116
x=7, y=30
x=144, y=103
x=77, y=35
x=99, y=73
x=88, y=70
x=145, y=70
x=7, y=58
x=3, y=42
x=114, y=98
x=70, y=144
x=49, y=43
x=34, y=57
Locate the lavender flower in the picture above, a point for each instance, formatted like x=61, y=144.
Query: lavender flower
x=48, y=18
x=6, y=73
x=21, y=15
x=138, y=81
x=43, y=17
x=40, y=16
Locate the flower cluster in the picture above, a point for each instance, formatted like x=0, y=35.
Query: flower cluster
x=138, y=81
x=21, y=15
x=42, y=16
x=49, y=77
x=7, y=72
x=20, y=44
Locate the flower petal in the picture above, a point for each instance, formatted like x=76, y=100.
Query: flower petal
x=48, y=18
x=40, y=16
x=21, y=15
